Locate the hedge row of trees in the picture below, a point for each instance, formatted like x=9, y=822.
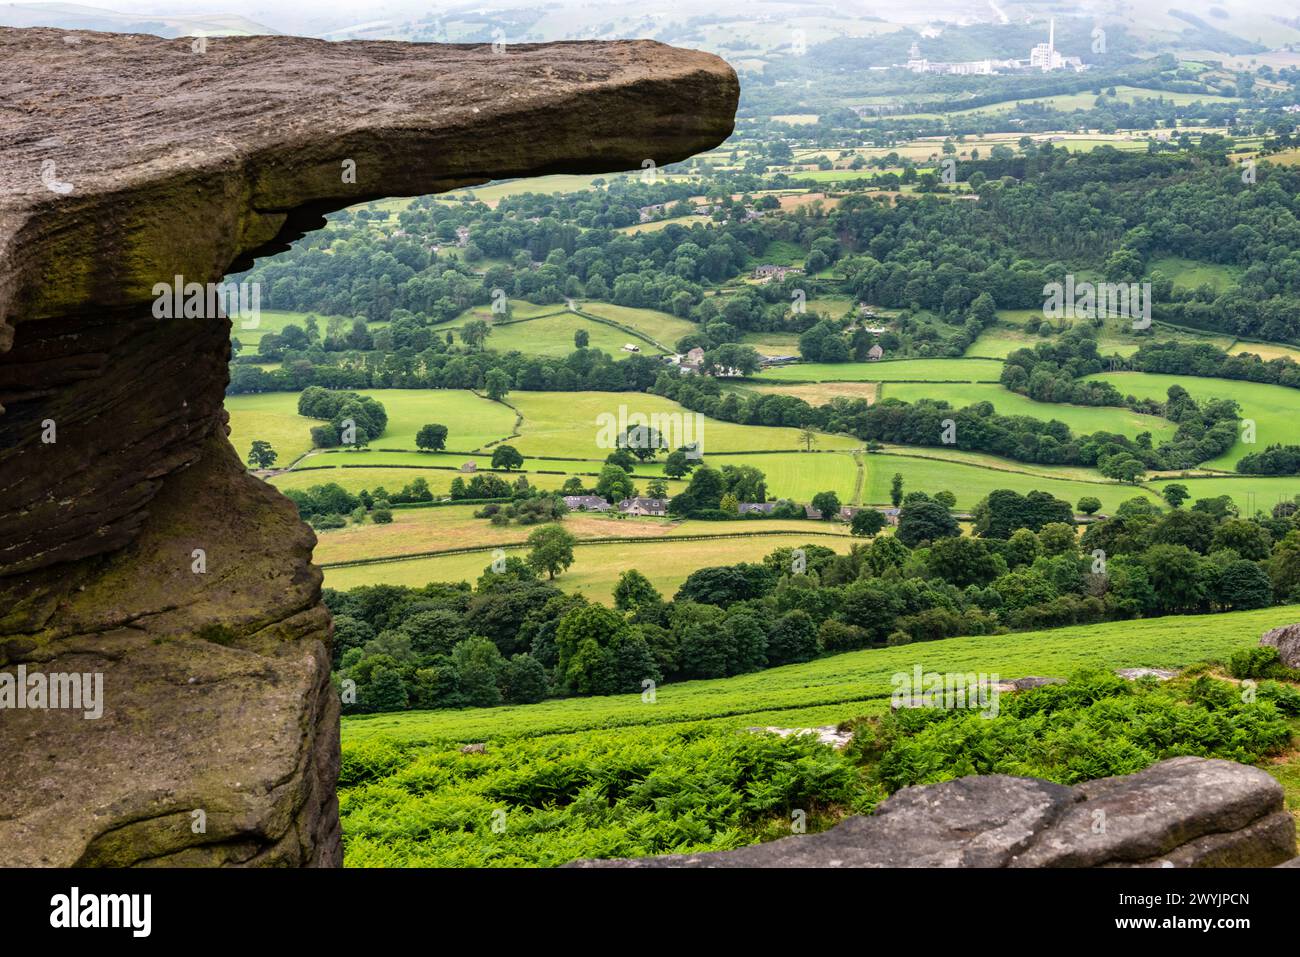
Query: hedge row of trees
x=515, y=637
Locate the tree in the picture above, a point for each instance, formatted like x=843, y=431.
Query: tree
x=497, y=384
x=1243, y=584
x=523, y=680
x=385, y=691
x=382, y=513
x=925, y=521
x=896, y=489
x=431, y=437
x=657, y=488
x=868, y=521
x=792, y=639
x=828, y=503
x=478, y=667
x=261, y=455
x=964, y=561
x=634, y=591
x=474, y=332
x=1089, y=505
x=1175, y=494
x=677, y=464
x=807, y=438
x=506, y=457
x=613, y=484
x=550, y=550
x=581, y=338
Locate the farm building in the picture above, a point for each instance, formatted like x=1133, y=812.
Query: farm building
x=586, y=503
x=643, y=506
x=768, y=271
x=756, y=508
x=875, y=353
x=469, y=467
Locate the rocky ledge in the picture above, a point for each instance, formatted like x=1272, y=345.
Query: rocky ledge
x=133, y=545
x=1182, y=812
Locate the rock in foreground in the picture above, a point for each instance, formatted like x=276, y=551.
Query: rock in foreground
x=133, y=545
x=1182, y=812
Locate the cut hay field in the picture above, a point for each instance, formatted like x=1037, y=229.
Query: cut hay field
x=1080, y=418
x=844, y=686
x=817, y=393
x=418, y=530
x=896, y=370
x=1275, y=409
x=1266, y=350
x=596, y=567
x=439, y=480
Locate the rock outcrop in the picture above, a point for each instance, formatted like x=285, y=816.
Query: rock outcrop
x=133, y=544
x=1287, y=642
x=1183, y=812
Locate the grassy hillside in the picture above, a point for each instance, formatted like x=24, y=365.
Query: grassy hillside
x=844, y=686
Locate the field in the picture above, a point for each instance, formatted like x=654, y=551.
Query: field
x=553, y=336
x=819, y=393
x=273, y=416
x=840, y=687
x=1275, y=409
x=1267, y=350
x=971, y=482
x=596, y=567
x=274, y=320
x=1080, y=418
x=567, y=424
x=419, y=530
x=658, y=326
x=1190, y=274
x=896, y=370
x=1248, y=492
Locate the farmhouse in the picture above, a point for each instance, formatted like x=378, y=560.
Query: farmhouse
x=756, y=508
x=848, y=511
x=650, y=212
x=586, y=503
x=643, y=506
x=768, y=272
